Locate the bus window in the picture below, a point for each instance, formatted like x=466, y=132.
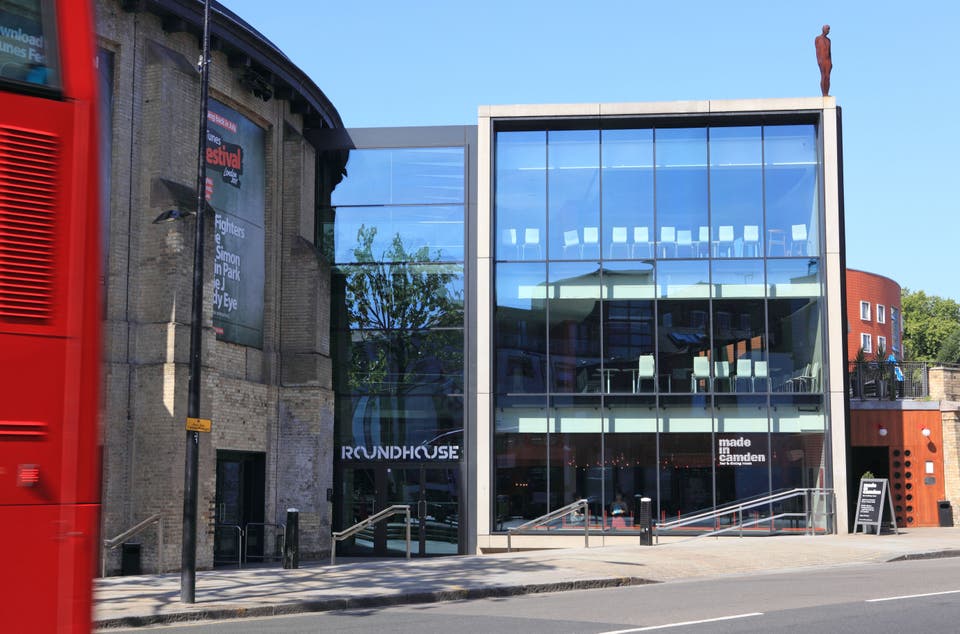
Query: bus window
x=28, y=43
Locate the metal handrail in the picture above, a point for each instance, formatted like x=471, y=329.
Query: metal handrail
x=737, y=508
x=239, y=541
x=581, y=504
x=364, y=523
x=136, y=529
x=283, y=536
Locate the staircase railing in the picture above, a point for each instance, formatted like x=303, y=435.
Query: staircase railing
x=364, y=523
x=136, y=529
x=817, y=510
x=532, y=525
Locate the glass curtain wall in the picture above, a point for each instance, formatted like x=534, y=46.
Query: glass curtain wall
x=396, y=233
x=657, y=322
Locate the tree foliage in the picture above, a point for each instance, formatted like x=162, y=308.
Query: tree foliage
x=929, y=322
x=950, y=350
x=400, y=303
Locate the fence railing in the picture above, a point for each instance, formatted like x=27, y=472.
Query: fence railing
x=136, y=529
x=788, y=511
x=370, y=521
x=579, y=509
x=889, y=381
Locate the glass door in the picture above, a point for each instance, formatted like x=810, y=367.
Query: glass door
x=433, y=495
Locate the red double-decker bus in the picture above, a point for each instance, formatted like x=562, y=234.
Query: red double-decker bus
x=49, y=316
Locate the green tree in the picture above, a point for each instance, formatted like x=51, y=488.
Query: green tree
x=950, y=350
x=406, y=312
x=929, y=322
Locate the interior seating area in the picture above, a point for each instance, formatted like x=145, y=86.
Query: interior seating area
x=673, y=242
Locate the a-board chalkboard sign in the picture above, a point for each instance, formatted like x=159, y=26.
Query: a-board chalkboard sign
x=873, y=493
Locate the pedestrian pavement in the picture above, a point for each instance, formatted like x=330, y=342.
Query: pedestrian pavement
x=357, y=583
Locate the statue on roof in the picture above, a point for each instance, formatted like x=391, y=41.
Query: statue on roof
x=822, y=43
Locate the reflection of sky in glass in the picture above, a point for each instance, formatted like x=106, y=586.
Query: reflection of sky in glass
x=438, y=228
x=518, y=284
x=402, y=176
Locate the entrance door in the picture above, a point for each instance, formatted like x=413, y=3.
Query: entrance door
x=431, y=491
x=239, y=502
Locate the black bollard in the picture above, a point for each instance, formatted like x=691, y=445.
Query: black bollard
x=645, y=522
x=291, y=540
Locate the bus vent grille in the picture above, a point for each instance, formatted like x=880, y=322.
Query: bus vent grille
x=28, y=193
x=22, y=430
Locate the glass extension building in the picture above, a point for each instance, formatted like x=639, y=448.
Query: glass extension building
x=665, y=308
x=601, y=301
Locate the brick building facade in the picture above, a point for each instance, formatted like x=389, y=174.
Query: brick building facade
x=874, y=315
x=271, y=404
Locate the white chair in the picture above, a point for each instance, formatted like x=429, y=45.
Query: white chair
x=751, y=238
x=721, y=370
x=703, y=240
x=641, y=235
x=531, y=240
x=619, y=238
x=724, y=237
x=591, y=238
x=510, y=240
x=646, y=369
x=685, y=240
x=701, y=370
x=668, y=235
x=798, y=243
x=744, y=372
x=760, y=372
x=571, y=240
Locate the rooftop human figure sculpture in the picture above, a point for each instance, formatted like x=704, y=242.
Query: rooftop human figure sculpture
x=822, y=43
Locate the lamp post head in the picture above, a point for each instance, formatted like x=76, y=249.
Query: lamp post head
x=172, y=215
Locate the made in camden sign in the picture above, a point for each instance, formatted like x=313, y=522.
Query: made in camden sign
x=738, y=452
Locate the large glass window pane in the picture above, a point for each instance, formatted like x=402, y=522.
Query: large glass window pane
x=521, y=195
x=683, y=342
x=29, y=53
x=686, y=473
x=797, y=413
x=628, y=346
x=737, y=278
x=743, y=468
x=794, y=278
x=398, y=296
x=520, y=328
x=576, y=462
x=627, y=183
x=399, y=419
x=400, y=361
x=792, y=196
x=574, y=194
x=681, y=178
x=628, y=280
x=736, y=191
x=738, y=345
x=797, y=460
x=795, y=345
x=574, y=314
x=630, y=474
x=399, y=176
x=683, y=279
x=409, y=233
x=520, y=468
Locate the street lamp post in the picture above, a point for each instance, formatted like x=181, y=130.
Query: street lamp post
x=188, y=556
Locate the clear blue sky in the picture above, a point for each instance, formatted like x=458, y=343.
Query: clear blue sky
x=896, y=75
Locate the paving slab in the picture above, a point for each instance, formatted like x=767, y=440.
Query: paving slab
x=231, y=593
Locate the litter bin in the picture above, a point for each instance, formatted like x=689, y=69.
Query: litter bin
x=130, y=559
x=945, y=512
